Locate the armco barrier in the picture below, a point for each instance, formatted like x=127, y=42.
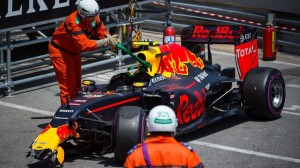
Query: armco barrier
x=209, y=12
x=31, y=17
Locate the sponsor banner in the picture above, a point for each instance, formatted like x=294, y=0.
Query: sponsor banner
x=211, y=34
x=22, y=13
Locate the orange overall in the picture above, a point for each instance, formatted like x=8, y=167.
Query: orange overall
x=162, y=151
x=68, y=41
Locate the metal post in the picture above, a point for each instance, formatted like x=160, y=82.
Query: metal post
x=8, y=81
x=119, y=54
x=1, y=57
x=168, y=16
x=270, y=18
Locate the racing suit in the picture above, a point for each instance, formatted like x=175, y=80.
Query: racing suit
x=68, y=41
x=162, y=151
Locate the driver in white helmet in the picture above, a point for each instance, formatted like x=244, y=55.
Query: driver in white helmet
x=160, y=149
x=81, y=31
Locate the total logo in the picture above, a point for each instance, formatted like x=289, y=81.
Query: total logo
x=245, y=51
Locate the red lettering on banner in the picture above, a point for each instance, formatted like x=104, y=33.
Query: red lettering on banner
x=199, y=32
x=221, y=32
x=225, y=32
x=187, y=111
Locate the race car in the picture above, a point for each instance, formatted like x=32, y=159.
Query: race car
x=111, y=117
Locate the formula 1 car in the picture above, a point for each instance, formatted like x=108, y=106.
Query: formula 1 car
x=111, y=117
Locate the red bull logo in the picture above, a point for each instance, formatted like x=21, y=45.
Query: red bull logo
x=189, y=110
x=176, y=59
x=221, y=32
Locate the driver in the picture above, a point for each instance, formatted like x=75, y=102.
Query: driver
x=160, y=149
x=77, y=33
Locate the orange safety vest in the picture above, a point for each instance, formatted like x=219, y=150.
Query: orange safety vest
x=162, y=151
x=72, y=35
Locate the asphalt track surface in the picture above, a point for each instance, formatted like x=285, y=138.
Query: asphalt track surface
x=236, y=142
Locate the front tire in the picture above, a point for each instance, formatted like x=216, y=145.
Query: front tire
x=263, y=90
x=129, y=127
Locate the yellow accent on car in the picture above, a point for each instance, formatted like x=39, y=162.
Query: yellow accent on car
x=86, y=82
x=60, y=155
x=47, y=140
x=150, y=56
x=138, y=84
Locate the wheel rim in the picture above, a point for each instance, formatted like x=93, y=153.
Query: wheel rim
x=276, y=93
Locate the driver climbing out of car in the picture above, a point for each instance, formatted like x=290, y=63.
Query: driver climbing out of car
x=161, y=149
x=76, y=34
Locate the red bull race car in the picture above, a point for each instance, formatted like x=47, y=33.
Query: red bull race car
x=111, y=117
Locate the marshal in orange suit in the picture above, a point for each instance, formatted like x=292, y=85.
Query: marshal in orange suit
x=77, y=33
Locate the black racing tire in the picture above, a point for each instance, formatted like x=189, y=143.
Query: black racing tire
x=129, y=130
x=263, y=90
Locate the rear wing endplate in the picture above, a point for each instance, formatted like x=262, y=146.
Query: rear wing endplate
x=243, y=38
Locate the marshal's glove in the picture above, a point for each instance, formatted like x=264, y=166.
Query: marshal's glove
x=102, y=43
x=109, y=40
x=112, y=39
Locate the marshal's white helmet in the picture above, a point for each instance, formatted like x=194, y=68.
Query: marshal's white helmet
x=88, y=8
x=162, y=119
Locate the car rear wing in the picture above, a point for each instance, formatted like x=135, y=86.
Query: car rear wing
x=243, y=38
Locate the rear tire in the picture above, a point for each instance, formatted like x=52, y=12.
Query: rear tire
x=263, y=90
x=129, y=130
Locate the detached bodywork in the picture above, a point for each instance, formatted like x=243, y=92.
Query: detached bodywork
x=111, y=117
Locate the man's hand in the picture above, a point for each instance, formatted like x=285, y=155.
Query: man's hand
x=103, y=42
x=113, y=39
x=109, y=40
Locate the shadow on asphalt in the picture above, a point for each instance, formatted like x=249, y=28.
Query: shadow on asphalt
x=224, y=124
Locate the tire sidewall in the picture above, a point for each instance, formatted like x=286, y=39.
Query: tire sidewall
x=257, y=90
x=274, y=77
x=124, y=138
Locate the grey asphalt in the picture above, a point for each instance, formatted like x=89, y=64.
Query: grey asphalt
x=234, y=142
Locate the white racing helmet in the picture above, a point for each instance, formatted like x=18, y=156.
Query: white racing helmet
x=88, y=8
x=162, y=118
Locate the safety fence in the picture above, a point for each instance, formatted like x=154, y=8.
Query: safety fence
x=23, y=48
x=191, y=12
x=151, y=15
